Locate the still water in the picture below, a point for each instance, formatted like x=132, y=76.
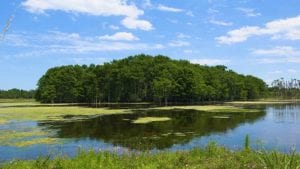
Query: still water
x=274, y=127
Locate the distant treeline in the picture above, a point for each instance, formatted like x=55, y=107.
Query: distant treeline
x=146, y=78
x=17, y=94
x=285, y=89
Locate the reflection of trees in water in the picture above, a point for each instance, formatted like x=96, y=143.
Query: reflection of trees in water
x=285, y=113
x=184, y=126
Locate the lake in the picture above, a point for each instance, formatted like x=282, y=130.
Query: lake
x=274, y=127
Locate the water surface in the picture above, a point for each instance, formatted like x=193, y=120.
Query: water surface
x=274, y=127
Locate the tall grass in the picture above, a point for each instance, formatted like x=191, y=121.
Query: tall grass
x=276, y=160
x=247, y=143
x=210, y=157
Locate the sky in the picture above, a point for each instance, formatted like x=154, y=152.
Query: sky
x=256, y=37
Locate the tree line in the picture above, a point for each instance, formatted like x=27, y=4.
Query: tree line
x=17, y=93
x=145, y=78
x=285, y=89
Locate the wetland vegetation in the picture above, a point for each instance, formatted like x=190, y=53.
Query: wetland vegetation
x=90, y=107
x=210, y=157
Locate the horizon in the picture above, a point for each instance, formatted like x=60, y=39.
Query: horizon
x=247, y=37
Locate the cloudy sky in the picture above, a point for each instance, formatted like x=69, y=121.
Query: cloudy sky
x=258, y=37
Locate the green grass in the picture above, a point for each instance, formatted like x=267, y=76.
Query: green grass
x=211, y=157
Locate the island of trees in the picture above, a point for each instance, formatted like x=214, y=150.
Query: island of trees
x=145, y=78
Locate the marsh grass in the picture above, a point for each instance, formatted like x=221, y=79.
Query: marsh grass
x=210, y=157
x=277, y=160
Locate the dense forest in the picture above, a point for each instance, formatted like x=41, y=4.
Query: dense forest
x=17, y=93
x=285, y=89
x=146, y=78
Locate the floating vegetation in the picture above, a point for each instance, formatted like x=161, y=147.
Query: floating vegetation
x=166, y=134
x=3, y=121
x=35, y=141
x=210, y=108
x=126, y=119
x=25, y=138
x=53, y=113
x=144, y=120
x=179, y=134
x=221, y=117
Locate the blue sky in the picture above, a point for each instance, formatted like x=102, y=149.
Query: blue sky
x=258, y=37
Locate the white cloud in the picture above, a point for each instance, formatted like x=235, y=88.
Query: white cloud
x=93, y=7
x=279, y=54
x=275, y=72
x=278, y=51
x=133, y=23
x=280, y=72
x=183, y=36
x=212, y=11
x=179, y=43
x=210, y=62
x=70, y=43
x=219, y=22
x=288, y=29
x=191, y=51
x=114, y=27
x=147, y=4
x=188, y=51
x=89, y=60
x=168, y=9
x=120, y=36
x=249, y=12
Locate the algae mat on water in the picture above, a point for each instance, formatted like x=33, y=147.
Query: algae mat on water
x=52, y=113
x=25, y=138
x=144, y=120
x=211, y=108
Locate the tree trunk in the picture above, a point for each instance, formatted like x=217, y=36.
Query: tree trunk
x=166, y=101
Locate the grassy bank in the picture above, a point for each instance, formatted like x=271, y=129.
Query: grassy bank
x=211, y=157
x=267, y=101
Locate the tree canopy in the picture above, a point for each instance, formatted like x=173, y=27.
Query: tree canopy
x=146, y=78
x=16, y=94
